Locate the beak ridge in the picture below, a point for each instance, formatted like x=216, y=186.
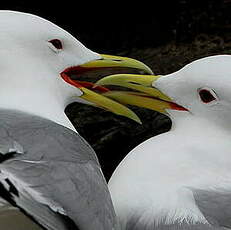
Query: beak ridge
x=109, y=61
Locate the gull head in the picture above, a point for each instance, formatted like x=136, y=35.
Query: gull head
x=201, y=89
x=41, y=65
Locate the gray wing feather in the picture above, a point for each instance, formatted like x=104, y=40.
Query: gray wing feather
x=215, y=205
x=58, y=174
x=41, y=213
x=62, y=187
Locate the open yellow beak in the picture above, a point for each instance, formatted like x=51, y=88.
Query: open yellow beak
x=144, y=94
x=94, y=93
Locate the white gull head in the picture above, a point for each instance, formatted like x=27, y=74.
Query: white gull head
x=203, y=88
x=38, y=60
x=31, y=65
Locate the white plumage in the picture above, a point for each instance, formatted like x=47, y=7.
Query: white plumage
x=182, y=179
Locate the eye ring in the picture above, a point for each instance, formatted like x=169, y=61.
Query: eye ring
x=55, y=44
x=207, y=95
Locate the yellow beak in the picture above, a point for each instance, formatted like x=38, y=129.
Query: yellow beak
x=109, y=61
x=147, y=96
x=95, y=94
x=108, y=104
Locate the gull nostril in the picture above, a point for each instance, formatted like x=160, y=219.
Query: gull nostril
x=117, y=60
x=134, y=83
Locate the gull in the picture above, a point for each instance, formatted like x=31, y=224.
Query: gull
x=180, y=179
x=50, y=177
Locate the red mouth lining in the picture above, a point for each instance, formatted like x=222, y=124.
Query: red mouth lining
x=76, y=70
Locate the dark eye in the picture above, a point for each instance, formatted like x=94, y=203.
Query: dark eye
x=207, y=95
x=56, y=43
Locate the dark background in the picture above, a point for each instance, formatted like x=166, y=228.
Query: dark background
x=165, y=35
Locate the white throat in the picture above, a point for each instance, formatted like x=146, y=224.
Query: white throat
x=155, y=179
x=42, y=105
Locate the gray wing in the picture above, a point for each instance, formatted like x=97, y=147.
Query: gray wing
x=58, y=193
x=215, y=205
x=53, y=175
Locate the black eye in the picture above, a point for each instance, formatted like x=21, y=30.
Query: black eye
x=56, y=43
x=207, y=96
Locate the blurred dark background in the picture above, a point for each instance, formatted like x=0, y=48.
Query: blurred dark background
x=165, y=35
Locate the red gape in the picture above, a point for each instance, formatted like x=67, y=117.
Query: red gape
x=85, y=84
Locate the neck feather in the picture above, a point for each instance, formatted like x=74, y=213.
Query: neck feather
x=43, y=105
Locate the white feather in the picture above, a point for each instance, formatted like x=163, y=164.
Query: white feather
x=155, y=181
x=30, y=70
